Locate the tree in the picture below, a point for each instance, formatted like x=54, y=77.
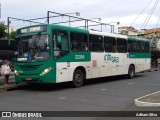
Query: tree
x=2, y=30
x=13, y=35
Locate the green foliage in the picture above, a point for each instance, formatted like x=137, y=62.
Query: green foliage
x=2, y=30
x=13, y=35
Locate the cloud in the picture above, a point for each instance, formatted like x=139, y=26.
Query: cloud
x=123, y=11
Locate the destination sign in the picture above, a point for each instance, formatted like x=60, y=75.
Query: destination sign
x=34, y=29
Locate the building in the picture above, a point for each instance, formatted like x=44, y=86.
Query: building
x=124, y=30
x=154, y=35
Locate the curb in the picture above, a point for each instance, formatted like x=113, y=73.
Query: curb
x=11, y=87
x=153, y=69
x=140, y=103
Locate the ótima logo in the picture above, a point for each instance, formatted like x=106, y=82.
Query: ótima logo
x=109, y=57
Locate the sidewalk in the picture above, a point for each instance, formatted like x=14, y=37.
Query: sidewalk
x=12, y=85
x=153, y=69
x=150, y=100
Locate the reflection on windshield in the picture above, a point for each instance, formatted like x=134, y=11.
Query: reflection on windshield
x=33, y=48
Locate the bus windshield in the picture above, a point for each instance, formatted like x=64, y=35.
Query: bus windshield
x=33, y=48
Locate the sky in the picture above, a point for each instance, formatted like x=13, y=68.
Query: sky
x=110, y=11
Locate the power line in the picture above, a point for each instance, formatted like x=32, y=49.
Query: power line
x=156, y=25
x=141, y=12
x=149, y=15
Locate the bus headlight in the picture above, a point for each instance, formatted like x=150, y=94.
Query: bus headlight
x=16, y=72
x=45, y=71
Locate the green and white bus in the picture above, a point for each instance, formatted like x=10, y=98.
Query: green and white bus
x=53, y=54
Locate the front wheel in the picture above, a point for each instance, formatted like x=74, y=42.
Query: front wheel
x=131, y=72
x=78, y=78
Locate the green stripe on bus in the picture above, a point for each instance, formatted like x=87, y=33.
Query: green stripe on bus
x=139, y=55
x=76, y=57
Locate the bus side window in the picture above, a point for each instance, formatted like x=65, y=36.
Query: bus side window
x=146, y=46
x=139, y=49
x=110, y=44
x=132, y=46
x=79, y=42
x=121, y=45
x=96, y=43
x=114, y=45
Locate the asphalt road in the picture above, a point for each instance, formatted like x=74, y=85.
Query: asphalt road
x=105, y=94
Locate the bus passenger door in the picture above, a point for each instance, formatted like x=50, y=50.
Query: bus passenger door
x=117, y=59
x=61, y=55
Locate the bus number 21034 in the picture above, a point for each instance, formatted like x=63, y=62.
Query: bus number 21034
x=79, y=57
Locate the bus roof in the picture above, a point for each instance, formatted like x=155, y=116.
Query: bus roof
x=107, y=34
x=50, y=26
x=138, y=39
x=73, y=29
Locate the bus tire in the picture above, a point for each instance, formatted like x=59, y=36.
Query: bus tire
x=131, y=72
x=78, y=78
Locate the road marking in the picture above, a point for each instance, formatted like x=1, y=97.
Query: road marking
x=143, y=84
x=103, y=89
x=62, y=98
x=131, y=83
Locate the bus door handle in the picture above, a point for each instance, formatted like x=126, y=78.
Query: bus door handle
x=103, y=66
x=64, y=68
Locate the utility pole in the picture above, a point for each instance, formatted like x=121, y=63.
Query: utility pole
x=0, y=10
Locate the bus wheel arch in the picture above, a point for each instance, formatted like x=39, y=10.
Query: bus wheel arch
x=131, y=71
x=79, y=76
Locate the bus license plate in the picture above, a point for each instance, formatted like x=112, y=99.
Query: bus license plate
x=28, y=78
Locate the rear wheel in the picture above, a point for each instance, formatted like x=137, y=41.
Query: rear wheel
x=78, y=78
x=131, y=72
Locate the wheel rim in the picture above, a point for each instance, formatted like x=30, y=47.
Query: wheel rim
x=78, y=78
x=132, y=71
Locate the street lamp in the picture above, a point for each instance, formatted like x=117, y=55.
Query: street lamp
x=115, y=22
x=118, y=23
x=59, y=14
x=77, y=13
